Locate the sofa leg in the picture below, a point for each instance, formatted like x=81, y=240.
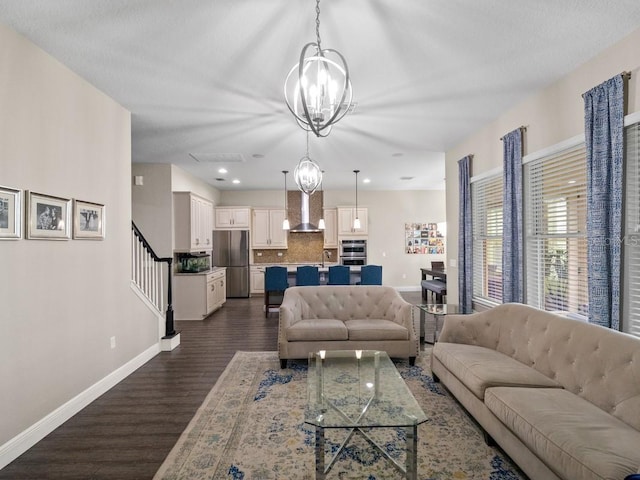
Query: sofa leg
x=283, y=363
x=436, y=379
x=488, y=439
x=412, y=361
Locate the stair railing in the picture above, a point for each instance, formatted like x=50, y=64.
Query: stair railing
x=146, y=273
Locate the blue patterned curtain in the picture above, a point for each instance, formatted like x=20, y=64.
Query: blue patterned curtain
x=604, y=122
x=465, y=237
x=512, y=244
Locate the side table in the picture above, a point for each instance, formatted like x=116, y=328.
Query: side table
x=433, y=312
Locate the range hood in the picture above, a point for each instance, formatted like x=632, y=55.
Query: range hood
x=305, y=225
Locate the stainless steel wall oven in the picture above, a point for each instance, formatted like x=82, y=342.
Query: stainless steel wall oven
x=353, y=252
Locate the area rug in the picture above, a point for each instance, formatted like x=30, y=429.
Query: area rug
x=251, y=427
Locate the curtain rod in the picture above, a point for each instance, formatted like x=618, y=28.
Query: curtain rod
x=626, y=75
x=522, y=127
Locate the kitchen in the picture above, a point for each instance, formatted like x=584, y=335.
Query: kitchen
x=386, y=214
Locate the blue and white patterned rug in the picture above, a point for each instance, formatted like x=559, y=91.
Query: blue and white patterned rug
x=251, y=427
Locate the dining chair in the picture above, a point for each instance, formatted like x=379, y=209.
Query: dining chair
x=307, y=276
x=371, y=275
x=339, y=275
x=275, y=282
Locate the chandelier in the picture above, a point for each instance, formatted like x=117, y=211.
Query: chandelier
x=308, y=175
x=319, y=95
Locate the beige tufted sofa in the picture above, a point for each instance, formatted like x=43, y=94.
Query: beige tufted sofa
x=345, y=318
x=561, y=397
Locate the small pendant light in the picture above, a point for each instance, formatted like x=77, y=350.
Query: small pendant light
x=356, y=221
x=321, y=225
x=285, y=222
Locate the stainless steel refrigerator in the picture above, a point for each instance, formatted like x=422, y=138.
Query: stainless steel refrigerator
x=231, y=250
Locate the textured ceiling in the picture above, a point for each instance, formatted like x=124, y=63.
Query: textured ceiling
x=205, y=77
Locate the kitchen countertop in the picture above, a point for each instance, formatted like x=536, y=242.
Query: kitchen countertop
x=292, y=267
x=205, y=272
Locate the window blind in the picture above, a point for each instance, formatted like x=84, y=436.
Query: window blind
x=631, y=316
x=555, y=232
x=486, y=212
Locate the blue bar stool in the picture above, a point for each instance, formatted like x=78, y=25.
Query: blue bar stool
x=339, y=275
x=307, y=276
x=371, y=275
x=275, y=281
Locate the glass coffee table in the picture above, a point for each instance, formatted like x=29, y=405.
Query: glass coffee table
x=435, y=311
x=356, y=390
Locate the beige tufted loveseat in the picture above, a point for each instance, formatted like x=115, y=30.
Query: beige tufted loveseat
x=345, y=318
x=560, y=396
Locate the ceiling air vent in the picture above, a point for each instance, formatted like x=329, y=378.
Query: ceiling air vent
x=217, y=157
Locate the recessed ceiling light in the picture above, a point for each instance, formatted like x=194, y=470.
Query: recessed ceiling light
x=257, y=155
x=235, y=180
x=222, y=170
x=366, y=180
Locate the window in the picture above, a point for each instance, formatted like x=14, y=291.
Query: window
x=631, y=252
x=555, y=205
x=486, y=201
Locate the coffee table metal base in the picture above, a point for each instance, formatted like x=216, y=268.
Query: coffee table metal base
x=409, y=469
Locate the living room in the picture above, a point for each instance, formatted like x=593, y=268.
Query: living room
x=63, y=301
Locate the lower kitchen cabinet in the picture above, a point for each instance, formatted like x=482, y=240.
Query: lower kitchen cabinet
x=257, y=280
x=198, y=295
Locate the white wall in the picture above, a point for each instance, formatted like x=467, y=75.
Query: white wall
x=551, y=116
x=61, y=301
x=388, y=213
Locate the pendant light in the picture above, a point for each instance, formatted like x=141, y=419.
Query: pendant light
x=285, y=222
x=321, y=225
x=356, y=221
x=317, y=89
x=307, y=174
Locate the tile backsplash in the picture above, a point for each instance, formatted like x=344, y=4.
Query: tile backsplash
x=303, y=248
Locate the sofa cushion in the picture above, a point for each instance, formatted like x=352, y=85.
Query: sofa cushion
x=312, y=330
x=480, y=368
x=376, y=330
x=572, y=436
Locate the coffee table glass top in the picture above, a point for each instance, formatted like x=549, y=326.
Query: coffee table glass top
x=358, y=388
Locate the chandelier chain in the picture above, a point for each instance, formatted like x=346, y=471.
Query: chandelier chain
x=318, y=25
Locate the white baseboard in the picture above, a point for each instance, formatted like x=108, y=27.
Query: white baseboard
x=36, y=432
x=168, y=344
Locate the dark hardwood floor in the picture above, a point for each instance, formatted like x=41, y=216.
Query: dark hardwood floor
x=127, y=432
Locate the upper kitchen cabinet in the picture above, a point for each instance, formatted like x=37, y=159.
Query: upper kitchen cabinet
x=266, y=229
x=330, y=216
x=346, y=216
x=230, y=218
x=193, y=221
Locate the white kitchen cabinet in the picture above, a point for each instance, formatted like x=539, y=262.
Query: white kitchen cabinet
x=346, y=216
x=229, y=218
x=257, y=280
x=193, y=220
x=199, y=295
x=330, y=216
x=266, y=228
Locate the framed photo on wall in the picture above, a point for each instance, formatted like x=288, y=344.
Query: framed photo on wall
x=88, y=220
x=48, y=217
x=10, y=213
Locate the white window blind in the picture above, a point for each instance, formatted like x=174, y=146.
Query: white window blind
x=555, y=232
x=631, y=316
x=486, y=201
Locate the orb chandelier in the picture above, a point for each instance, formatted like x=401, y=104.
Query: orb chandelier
x=318, y=88
x=308, y=175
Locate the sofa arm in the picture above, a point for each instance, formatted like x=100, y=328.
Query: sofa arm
x=404, y=317
x=472, y=329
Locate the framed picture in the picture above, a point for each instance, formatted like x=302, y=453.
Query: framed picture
x=88, y=220
x=48, y=217
x=10, y=213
